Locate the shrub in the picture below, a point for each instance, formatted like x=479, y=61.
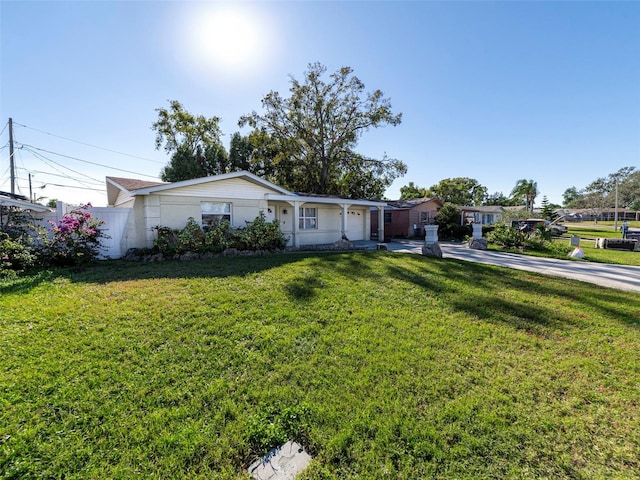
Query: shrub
x=15, y=257
x=538, y=238
x=261, y=235
x=215, y=238
x=506, y=236
x=191, y=238
x=448, y=220
x=166, y=240
x=76, y=238
x=20, y=241
x=218, y=236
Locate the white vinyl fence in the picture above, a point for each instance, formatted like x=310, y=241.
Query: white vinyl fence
x=115, y=219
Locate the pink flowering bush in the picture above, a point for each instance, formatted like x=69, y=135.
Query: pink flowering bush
x=76, y=238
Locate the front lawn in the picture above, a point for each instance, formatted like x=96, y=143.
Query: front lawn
x=383, y=365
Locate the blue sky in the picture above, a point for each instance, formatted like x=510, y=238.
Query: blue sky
x=495, y=91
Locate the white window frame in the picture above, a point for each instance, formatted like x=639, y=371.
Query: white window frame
x=211, y=212
x=308, y=218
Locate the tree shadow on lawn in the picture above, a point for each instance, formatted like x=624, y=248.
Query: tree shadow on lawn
x=353, y=264
x=475, y=289
x=108, y=271
x=467, y=286
x=26, y=283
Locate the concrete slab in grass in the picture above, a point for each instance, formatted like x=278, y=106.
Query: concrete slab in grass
x=282, y=463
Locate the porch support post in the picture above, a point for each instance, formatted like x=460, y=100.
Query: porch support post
x=344, y=222
x=380, y=224
x=295, y=218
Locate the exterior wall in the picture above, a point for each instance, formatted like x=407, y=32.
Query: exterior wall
x=431, y=208
x=173, y=207
x=329, y=225
x=228, y=189
x=399, y=226
x=486, y=218
x=175, y=211
x=136, y=235
x=403, y=220
x=124, y=199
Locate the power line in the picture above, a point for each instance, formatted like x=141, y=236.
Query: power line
x=57, y=175
x=86, y=161
x=73, y=186
x=47, y=159
x=89, y=145
x=4, y=128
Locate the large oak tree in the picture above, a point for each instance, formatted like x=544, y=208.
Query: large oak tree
x=311, y=136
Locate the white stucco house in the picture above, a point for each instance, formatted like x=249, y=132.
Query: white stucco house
x=238, y=197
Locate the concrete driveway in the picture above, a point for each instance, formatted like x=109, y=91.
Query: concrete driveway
x=622, y=277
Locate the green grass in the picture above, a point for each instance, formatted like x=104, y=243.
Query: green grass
x=384, y=365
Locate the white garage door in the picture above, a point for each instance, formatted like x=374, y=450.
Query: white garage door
x=355, y=225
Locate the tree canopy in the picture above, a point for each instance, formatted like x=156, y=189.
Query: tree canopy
x=498, y=199
x=459, y=191
x=193, y=142
x=411, y=190
x=601, y=192
x=310, y=137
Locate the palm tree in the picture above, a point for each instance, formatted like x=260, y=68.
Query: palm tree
x=526, y=190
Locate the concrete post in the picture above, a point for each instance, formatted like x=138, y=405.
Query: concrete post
x=431, y=234
x=477, y=230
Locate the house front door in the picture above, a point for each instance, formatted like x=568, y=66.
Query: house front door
x=270, y=214
x=285, y=217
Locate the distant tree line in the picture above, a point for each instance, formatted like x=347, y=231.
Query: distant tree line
x=601, y=193
x=598, y=195
x=469, y=192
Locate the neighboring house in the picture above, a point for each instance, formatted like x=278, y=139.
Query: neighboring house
x=238, y=197
x=486, y=215
x=406, y=218
x=9, y=200
x=603, y=214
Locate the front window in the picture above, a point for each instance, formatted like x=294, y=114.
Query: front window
x=308, y=218
x=424, y=218
x=215, y=212
x=387, y=218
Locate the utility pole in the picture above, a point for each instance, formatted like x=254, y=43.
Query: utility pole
x=30, y=190
x=11, y=164
x=615, y=225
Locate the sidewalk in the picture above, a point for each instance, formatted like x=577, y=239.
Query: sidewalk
x=622, y=277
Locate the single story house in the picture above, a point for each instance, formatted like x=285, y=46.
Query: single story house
x=405, y=218
x=486, y=215
x=603, y=214
x=238, y=197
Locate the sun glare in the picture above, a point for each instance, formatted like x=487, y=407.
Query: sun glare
x=225, y=39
